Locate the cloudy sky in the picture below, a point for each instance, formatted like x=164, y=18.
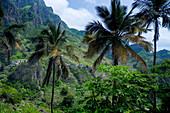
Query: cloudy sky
x=78, y=13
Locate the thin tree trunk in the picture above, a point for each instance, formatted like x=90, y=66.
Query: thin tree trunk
x=156, y=36
x=115, y=61
x=114, y=82
x=154, y=63
x=154, y=54
x=52, y=98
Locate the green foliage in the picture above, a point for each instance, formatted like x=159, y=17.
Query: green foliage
x=162, y=71
x=25, y=108
x=68, y=101
x=120, y=90
x=64, y=92
x=10, y=94
x=163, y=68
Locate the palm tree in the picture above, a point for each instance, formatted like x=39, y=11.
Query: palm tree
x=119, y=29
x=53, y=45
x=151, y=11
x=8, y=40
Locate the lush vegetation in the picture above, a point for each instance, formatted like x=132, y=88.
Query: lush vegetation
x=42, y=53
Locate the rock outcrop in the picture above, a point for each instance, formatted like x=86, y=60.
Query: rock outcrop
x=32, y=13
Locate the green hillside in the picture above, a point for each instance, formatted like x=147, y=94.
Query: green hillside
x=125, y=88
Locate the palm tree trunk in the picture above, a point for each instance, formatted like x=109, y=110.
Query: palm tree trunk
x=115, y=61
x=114, y=82
x=52, y=98
x=154, y=54
x=156, y=36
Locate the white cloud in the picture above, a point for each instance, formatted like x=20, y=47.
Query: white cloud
x=91, y=1
x=74, y=18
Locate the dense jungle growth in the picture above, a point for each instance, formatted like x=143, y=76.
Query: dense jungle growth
x=45, y=66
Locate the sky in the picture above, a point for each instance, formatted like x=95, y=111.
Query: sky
x=78, y=13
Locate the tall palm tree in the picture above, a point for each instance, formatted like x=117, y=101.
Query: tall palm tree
x=53, y=45
x=8, y=40
x=119, y=29
x=151, y=11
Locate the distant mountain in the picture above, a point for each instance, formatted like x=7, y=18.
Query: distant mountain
x=136, y=48
x=163, y=54
x=31, y=13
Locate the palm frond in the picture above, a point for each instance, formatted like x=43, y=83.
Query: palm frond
x=52, y=30
x=127, y=16
x=15, y=26
x=166, y=21
x=35, y=57
x=7, y=49
x=72, y=56
x=39, y=46
x=47, y=33
x=48, y=73
x=92, y=27
x=146, y=45
x=55, y=52
x=139, y=40
x=18, y=44
x=61, y=39
x=10, y=38
x=58, y=32
x=64, y=69
x=133, y=53
x=102, y=11
x=99, y=59
x=123, y=53
x=59, y=71
x=87, y=39
x=133, y=38
x=94, y=47
x=69, y=48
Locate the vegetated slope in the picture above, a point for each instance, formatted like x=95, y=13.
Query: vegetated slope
x=35, y=15
x=31, y=13
x=148, y=57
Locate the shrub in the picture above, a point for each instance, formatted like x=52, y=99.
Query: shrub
x=68, y=101
x=64, y=92
x=10, y=94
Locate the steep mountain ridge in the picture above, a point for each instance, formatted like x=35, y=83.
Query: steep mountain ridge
x=31, y=13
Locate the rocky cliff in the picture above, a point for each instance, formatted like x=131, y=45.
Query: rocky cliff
x=32, y=13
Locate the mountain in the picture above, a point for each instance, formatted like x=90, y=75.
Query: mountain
x=31, y=13
x=35, y=15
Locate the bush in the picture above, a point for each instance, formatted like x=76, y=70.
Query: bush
x=68, y=101
x=118, y=90
x=10, y=94
x=64, y=92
